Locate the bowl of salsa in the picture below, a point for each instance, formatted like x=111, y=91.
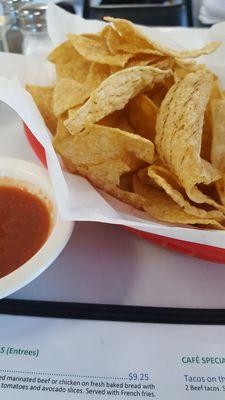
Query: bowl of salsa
x=32, y=234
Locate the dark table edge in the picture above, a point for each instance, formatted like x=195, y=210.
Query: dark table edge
x=108, y=312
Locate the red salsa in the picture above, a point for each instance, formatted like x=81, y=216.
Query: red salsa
x=24, y=227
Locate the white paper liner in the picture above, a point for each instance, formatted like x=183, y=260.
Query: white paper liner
x=77, y=199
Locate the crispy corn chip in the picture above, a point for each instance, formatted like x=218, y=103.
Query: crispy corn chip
x=142, y=113
x=113, y=94
x=43, y=99
x=97, y=50
x=72, y=112
x=164, y=179
x=157, y=95
x=114, y=69
x=158, y=92
x=207, y=49
x=97, y=165
x=206, y=143
x=106, y=176
x=97, y=74
x=164, y=63
x=118, y=119
x=69, y=93
x=163, y=208
x=180, y=73
x=182, y=68
x=78, y=70
x=62, y=53
x=69, y=63
x=117, y=42
x=179, y=130
x=143, y=60
x=126, y=30
x=216, y=91
x=189, y=65
x=61, y=133
x=110, y=120
x=126, y=181
x=124, y=124
x=95, y=36
x=97, y=144
x=218, y=143
x=75, y=70
x=105, y=30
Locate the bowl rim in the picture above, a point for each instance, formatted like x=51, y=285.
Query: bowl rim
x=54, y=244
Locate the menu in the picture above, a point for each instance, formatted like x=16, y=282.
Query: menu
x=51, y=358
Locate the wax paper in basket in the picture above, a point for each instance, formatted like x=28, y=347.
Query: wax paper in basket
x=77, y=199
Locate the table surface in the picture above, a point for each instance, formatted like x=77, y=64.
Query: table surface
x=106, y=264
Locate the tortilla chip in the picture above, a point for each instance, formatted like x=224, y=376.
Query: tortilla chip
x=112, y=171
x=164, y=179
x=97, y=50
x=216, y=91
x=207, y=49
x=179, y=131
x=97, y=74
x=143, y=60
x=114, y=69
x=206, y=143
x=163, y=208
x=117, y=42
x=216, y=94
x=118, y=119
x=105, y=175
x=113, y=94
x=128, y=31
x=43, y=98
x=218, y=143
x=72, y=111
x=62, y=53
x=142, y=113
x=164, y=63
x=157, y=96
x=77, y=71
x=69, y=63
x=126, y=181
x=61, y=133
x=124, y=124
x=69, y=93
x=180, y=73
x=158, y=92
x=103, y=155
x=111, y=120
x=104, y=31
x=98, y=144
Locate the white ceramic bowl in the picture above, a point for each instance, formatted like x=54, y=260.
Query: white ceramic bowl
x=37, y=176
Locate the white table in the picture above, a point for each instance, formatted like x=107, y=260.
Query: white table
x=105, y=264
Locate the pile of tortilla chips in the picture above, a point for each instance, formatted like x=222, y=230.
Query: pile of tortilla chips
x=143, y=122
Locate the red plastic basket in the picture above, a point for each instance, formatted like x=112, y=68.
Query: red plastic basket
x=209, y=253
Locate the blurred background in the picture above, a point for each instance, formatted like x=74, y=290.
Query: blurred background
x=23, y=22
